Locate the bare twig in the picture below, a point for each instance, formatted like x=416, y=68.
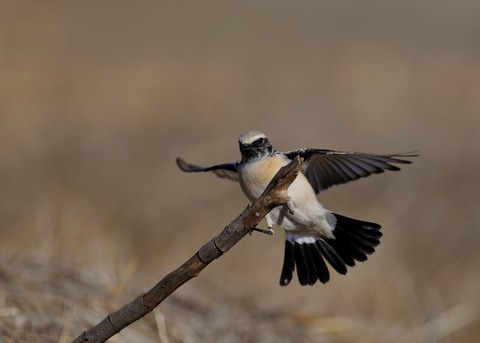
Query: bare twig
x=274, y=195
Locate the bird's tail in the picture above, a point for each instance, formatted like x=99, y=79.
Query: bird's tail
x=354, y=240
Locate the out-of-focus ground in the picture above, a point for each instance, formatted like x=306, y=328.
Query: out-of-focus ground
x=97, y=99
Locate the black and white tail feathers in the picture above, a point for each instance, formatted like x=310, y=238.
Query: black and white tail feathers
x=354, y=240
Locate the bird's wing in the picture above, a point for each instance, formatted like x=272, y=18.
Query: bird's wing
x=325, y=168
x=227, y=170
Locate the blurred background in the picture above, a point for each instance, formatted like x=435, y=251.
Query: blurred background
x=97, y=99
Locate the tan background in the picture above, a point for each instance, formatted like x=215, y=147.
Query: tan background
x=98, y=98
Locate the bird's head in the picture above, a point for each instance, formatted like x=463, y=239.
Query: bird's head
x=254, y=145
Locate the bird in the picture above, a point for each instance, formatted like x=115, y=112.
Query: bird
x=313, y=234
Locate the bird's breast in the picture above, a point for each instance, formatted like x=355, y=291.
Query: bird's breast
x=254, y=177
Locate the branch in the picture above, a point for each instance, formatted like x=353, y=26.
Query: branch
x=274, y=195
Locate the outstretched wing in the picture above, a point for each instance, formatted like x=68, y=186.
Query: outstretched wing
x=227, y=170
x=325, y=168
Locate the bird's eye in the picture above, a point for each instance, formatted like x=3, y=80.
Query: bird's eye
x=260, y=141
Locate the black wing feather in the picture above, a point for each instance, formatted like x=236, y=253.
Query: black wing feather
x=226, y=170
x=326, y=168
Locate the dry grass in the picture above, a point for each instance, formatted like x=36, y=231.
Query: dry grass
x=97, y=99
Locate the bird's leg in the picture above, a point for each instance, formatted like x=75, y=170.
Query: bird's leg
x=269, y=231
x=289, y=205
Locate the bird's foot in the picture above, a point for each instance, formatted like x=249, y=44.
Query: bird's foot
x=269, y=231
